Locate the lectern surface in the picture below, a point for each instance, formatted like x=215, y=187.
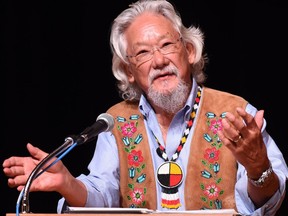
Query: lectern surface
x=89, y=211
x=109, y=214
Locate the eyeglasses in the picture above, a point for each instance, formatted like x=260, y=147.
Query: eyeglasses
x=145, y=54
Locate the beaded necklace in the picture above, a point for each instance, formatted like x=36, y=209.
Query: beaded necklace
x=169, y=173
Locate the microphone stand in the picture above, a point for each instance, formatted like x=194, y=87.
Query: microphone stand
x=25, y=202
x=104, y=122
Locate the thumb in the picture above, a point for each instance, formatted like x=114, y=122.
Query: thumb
x=35, y=152
x=259, y=118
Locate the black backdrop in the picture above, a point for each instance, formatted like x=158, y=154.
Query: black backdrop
x=57, y=65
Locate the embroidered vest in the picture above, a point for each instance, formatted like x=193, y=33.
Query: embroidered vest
x=211, y=171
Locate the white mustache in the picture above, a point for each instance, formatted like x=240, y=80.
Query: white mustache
x=169, y=70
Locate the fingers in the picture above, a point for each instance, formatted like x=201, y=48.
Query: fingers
x=251, y=123
x=236, y=129
x=250, y=120
x=231, y=129
x=259, y=118
x=227, y=141
x=17, y=169
x=18, y=182
x=12, y=169
x=16, y=174
x=36, y=152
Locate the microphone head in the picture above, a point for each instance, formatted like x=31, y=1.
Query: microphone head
x=108, y=119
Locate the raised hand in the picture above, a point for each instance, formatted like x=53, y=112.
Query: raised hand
x=18, y=169
x=242, y=135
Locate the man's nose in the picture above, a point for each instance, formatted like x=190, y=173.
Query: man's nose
x=158, y=58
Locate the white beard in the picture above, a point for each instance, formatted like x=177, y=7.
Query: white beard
x=170, y=101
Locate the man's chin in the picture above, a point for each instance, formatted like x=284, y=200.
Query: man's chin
x=165, y=92
x=164, y=89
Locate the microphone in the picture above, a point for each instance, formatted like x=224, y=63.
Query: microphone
x=104, y=123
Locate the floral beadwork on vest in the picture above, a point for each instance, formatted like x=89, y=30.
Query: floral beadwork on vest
x=211, y=171
x=136, y=165
x=212, y=190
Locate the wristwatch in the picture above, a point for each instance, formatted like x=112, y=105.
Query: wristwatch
x=263, y=178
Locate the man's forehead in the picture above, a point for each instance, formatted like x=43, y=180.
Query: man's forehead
x=154, y=37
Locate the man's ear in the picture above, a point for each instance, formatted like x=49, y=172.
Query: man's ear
x=190, y=52
x=128, y=71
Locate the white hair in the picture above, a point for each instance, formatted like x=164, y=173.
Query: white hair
x=118, y=43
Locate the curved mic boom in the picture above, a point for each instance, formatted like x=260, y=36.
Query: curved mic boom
x=104, y=122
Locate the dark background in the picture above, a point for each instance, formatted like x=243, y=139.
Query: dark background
x=56, y=59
